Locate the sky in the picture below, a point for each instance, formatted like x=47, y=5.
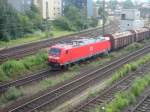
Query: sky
x=132, y=0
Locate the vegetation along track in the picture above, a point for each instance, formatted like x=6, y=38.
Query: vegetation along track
x=108, y=94
x=26, y=80
x=143, y=105
x=58, y=96
x=32, y=48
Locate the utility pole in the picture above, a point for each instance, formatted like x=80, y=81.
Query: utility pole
x=103, y=17
x=47, y=18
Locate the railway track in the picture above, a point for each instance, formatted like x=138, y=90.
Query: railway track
x=26, y=80
x=108, y=94
x=143, y=105
x=63, y=93
x=32, y=48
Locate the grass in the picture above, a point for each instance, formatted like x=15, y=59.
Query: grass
x=124, y=99
x=28, y=64
x=120, y=98
x=14, y=68
x=33, y=37
x=19, y=41
x=61, y=33
x=49, y=82
x=56, y=32
x=133, y=47
x=129, y=67
x=12, y=94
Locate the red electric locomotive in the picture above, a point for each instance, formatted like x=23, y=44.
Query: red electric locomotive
x=63, y=54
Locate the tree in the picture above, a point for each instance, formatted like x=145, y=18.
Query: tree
x=35, y=16
x=128, y=4
x=113, y=4
x=14, y=24
x=9, y=25
x=103, y=13
x=73, y=19
x=98, y=2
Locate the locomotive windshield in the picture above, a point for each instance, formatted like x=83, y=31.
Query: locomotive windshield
x=54, y=51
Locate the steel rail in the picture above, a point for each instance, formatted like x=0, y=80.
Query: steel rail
x=108, y=94
x=143, y=105
x=32, y=48
x=53, y=97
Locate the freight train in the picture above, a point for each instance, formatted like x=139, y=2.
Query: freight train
x=63, y=54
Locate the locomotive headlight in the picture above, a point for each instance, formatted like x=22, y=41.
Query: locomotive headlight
x=57, y=58
x=52, y=57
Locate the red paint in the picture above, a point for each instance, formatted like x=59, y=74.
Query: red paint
x=70, y=53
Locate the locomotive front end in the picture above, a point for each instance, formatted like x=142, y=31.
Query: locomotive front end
x=54, y=57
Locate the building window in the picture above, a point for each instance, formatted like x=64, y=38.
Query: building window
x=123, y=17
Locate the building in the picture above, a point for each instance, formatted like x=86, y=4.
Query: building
x=145, y=10
x=85, y=5
x=95, y=10
x=50, y=9
x=130, y=19
x=20, y=5
x=57, y=9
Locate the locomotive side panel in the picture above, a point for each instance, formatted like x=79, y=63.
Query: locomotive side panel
x=83, y=52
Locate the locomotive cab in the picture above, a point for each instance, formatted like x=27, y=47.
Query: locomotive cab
x=54, y=57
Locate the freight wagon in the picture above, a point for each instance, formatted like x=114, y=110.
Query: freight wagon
x=63, y=54
x=121, y=39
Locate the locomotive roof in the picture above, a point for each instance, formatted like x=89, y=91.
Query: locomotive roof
x=78, y=42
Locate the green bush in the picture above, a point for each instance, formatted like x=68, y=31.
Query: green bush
x=38, y=59
x=129, y=67
x=3, y=77
x=133, y=47
x=12, y=94
x=123, y=99
x=138, y=86
x=12, y=68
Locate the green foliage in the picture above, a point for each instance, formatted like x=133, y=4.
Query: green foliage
x=103, y=13
x=74, y=20
x=3, y=77
x=123, y=99
x=112, y=4
x=133, y=47
x=14, y=24
x=12, y=94
x=64, y=23
x=38, y=59
x=118, y=103
x=51, y=82
x=129, y=67
x=128, y=4
x=34, y=16
x=13, y=68
x=9, y=25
